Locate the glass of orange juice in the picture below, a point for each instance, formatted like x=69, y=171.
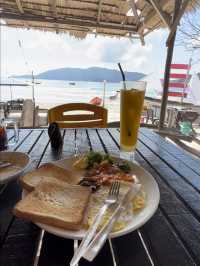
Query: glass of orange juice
x=131, y=106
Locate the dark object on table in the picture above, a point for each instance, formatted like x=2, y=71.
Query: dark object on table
x=55, y=136
x=3, y=139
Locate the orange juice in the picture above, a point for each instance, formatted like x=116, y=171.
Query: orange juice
x=130, y=111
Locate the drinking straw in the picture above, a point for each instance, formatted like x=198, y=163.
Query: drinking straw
x=123, y=75
x=124, y=82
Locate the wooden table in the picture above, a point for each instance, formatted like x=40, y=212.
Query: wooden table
x=170, y=237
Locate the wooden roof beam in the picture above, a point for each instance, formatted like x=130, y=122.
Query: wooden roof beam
x=99, y=11
x=150, y=15
x=52, y=4
x=134, y=9
x=70, y=21
x=68, y=29
x=19, y=5
x=135, y=13
x=21, y=10
x=163, y=16
x=177, y=20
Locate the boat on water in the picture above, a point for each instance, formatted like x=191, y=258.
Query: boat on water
x=33, y=81
x=113, y=97
x=72, y=83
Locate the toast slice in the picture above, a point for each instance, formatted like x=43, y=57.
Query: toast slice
x=46, y=172
x=55, y=204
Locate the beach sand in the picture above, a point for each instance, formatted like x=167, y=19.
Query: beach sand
x=113, y=107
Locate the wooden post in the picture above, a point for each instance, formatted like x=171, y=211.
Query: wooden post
x=33, y=88
x=33, y=98
x=104, y=92
x=186, y=80
x=170, y=50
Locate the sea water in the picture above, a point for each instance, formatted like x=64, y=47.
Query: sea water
x=50, y=93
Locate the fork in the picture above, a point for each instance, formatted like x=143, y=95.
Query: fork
x=100, y=238
x=110, y=200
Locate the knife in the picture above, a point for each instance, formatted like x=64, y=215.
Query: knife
x=89, y=235
x=98, y=241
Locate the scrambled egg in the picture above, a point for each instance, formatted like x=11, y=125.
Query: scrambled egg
x=139, y=201
x=126, y=216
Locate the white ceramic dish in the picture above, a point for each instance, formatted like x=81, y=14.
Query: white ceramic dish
x=153, y=196
x=19, y=161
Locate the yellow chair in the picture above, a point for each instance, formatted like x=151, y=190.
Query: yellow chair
x=96, y=116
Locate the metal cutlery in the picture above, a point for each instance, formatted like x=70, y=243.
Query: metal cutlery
x=110, y=200
x=98, y=241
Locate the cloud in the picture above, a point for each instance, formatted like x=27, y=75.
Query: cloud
x=46, y=50
x=136, y=56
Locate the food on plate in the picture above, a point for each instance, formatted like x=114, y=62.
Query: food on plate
x=46, y=172
x=90, y=159
x=55, y=200
x=55, y=204
x=97, y=199
x=139, y=201
x=103, y=170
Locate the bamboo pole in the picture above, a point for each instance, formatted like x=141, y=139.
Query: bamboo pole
x=170, y=50
x=33, y=97
x=104, y=92
x=186, y=80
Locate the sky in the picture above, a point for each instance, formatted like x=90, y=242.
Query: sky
x=44, y=50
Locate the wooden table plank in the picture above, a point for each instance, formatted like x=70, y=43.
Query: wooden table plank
x=23, y=134
x=19, y=247
x=107, y=142
x=83, y=144
x=170, y=203
x=111, y=146
x=20, y=231
x=94, y=140
x=13, y=190
x=175, y=151
x=187, y=193
x=64, y=248
x=10, y=133
x=69, y=142
x=167, y=247
x=129, y=250
x=59, y=251
x=188, y=229
x=39, y=147
x=174, y=231
x=177, y=165
x=30, y=142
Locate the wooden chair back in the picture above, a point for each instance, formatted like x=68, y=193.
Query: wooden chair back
x=96, y=116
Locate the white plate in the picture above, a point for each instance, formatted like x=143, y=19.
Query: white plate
x=153, y=196
x=20, y=162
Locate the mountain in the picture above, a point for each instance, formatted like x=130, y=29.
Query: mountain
x=88, y=74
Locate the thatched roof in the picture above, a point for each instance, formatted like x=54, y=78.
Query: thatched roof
x=122, y=18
